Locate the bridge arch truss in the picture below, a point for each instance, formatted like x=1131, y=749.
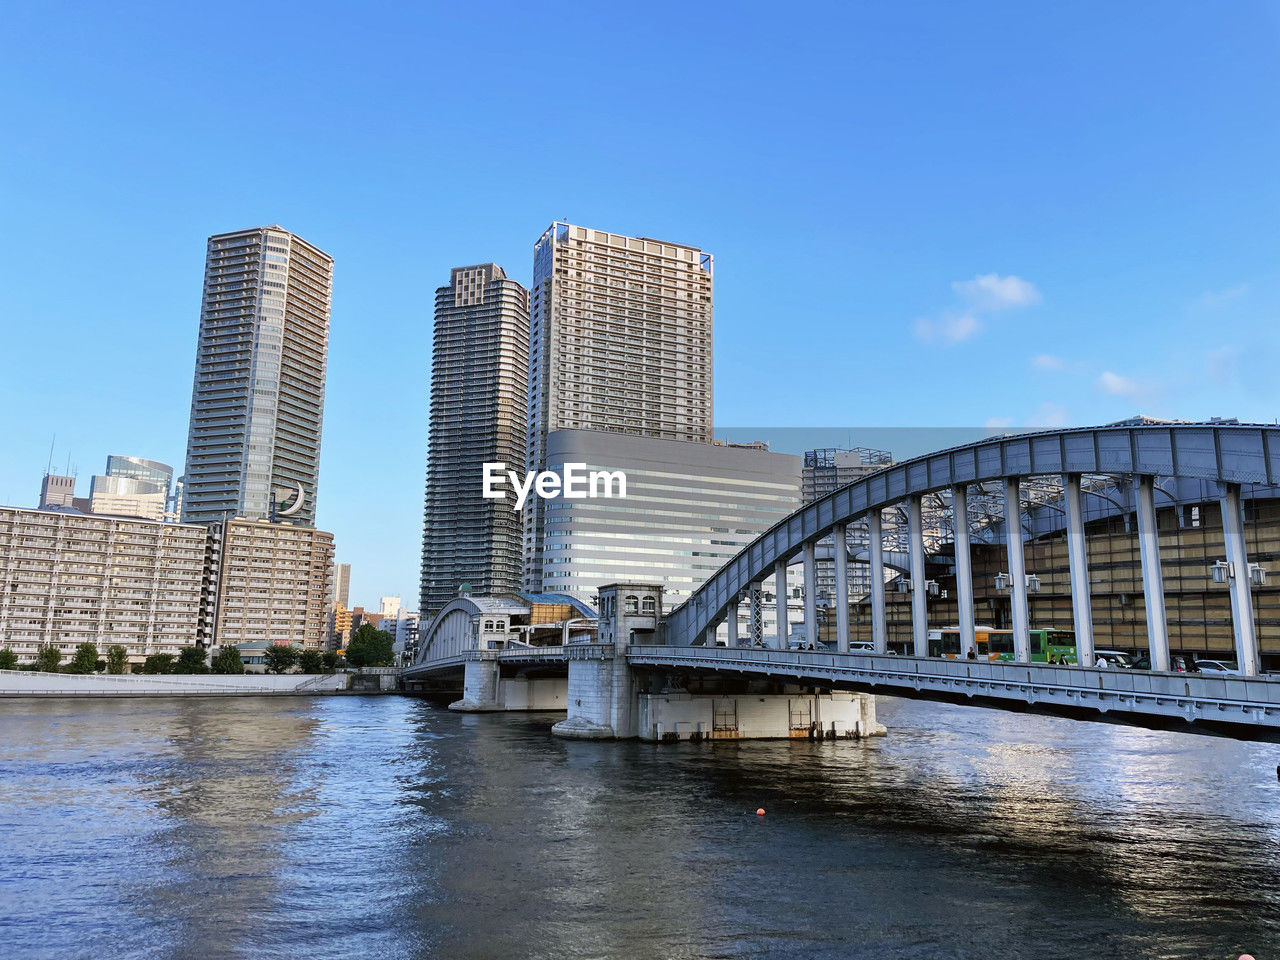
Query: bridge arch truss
x=1231, y=455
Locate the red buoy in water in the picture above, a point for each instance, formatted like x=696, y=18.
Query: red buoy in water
x=760, y=812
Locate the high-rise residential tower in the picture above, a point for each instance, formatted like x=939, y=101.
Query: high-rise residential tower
x=253, y=446
x=620, y=341
x=341, y=593
x=479, y=377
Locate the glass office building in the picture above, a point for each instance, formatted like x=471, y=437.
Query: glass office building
x=689, y=508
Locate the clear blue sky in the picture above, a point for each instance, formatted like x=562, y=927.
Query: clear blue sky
x=924, y=214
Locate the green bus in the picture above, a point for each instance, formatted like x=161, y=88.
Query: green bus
x=994, y=644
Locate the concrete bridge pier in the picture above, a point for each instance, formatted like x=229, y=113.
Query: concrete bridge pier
x=602, y=688
x=485, y=690
x=606, y=702
x=480, y=693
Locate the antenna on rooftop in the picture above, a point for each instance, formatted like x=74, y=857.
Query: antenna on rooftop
x=48, y=467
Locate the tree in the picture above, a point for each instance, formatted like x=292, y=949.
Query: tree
x=370, y=647
x=84, y=660
x=8, y=659
x=48, y=657
x=310, y=661
x=158, y=663
x=330, y=660
x=191, y=660
x=117, y=659
x=279, y=657
x=227, y=661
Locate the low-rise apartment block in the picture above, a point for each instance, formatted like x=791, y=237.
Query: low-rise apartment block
x=274, y=581
x=68, y=578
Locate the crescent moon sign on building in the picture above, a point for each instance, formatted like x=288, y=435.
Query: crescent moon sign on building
x=296, y=505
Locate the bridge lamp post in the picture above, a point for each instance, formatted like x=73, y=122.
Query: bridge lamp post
x=1030, y=585
x=1004, y=582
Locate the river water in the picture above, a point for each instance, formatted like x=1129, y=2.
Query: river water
x=384, y=826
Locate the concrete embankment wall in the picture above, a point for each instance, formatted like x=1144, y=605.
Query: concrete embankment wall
x=21, y=683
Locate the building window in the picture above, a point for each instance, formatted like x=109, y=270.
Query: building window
x=649, y=606
x=631, y=604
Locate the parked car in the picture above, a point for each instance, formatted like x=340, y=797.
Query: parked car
x=1222, y=667
x=1114, y=658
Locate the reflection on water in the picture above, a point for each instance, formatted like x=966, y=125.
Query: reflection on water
x=385, y=827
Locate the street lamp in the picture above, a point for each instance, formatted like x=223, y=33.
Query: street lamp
x=1222, y=571
x=1004, y=581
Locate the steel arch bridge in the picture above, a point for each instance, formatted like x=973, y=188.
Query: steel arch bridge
x=1227, y=453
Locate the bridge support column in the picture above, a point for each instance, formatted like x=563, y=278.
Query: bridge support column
x=780, y=601
x=1017, y=570
x=964, y=569
x=1078, y=559
x=1242, y=625
x=480, y=690
x=840, y=545
x=755, y=604
x=811, y=594
x=879, y=629
x=919, y=593
x=1152, y=576
x=732, y=623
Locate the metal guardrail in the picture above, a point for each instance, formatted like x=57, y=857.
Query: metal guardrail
x=514, y=655
x=1251, y=700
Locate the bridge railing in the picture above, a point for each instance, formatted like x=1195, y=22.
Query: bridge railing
x=920, y=672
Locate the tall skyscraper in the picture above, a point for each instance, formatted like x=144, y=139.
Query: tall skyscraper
x=479, y=377
x=253, y=446
x=620, y=341
x=341, y=593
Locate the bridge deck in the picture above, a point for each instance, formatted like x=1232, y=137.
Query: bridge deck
x=1247, y=701
x=1253, y=701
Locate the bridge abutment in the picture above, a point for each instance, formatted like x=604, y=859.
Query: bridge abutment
x=686, y=716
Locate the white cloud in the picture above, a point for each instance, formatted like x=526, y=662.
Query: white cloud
x=1117, y=385
x=955, y=329
x=1050, y=415
x=990, y=291
x=984, y=294
x=949, y=328
x=998, y=423
x=1047, y=361
x=1213, y=299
